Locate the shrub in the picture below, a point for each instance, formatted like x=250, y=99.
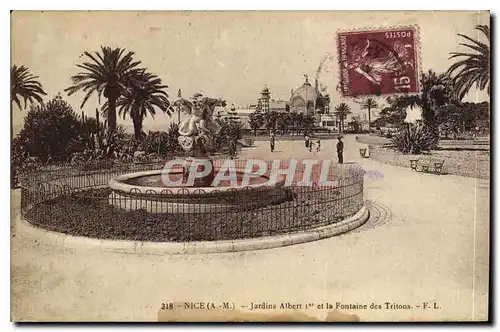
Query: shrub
x=51, y=132
x=160, y=142
x=413, y=139
x=226, y=141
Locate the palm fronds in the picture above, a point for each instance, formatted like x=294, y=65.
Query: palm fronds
x=473, y=67
x=24, y=85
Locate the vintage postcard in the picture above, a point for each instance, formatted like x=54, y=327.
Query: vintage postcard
x=250, y=166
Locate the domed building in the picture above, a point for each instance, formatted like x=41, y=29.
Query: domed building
x=306, y=99
x=309, y=100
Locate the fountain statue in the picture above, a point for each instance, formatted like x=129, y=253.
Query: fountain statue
x=198, y=131
x=197, y=135
x=167, y=190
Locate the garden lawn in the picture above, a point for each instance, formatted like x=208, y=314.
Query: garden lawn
x=464, y=158
x=471, y=163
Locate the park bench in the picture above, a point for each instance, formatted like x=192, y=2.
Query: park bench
x=438, y=165
x=425, y=165
x=428, y=164
x=413, y=164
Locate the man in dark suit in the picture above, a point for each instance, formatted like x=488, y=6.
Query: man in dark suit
x=340, y=150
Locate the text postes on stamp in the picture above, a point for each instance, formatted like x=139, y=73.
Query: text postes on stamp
x=378, y=62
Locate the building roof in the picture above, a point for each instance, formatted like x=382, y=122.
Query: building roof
x=277, y=104
x=306, y=92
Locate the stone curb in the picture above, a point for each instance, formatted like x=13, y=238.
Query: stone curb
x=26, y=230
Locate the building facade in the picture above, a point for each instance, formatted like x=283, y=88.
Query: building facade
x=307, y=99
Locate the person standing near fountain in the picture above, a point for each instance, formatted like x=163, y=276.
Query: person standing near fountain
x=340, y=150
x=272, y=142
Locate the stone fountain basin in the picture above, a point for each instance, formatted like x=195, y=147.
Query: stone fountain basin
x=146, y=191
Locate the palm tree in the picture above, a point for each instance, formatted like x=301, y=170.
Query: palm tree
x=108, y=74
x=369, y=104
x=143, y=97
x=341, y=111
x=24, y=85
x=436, y=91
x=474, y=67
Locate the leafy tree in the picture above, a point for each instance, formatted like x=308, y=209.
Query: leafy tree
x=342, y=110
x=454, y=118
x=461, y=117
x=308, y=123
x=270, y=119
x=51, y=131
x=255, y=121
x=390, y=115
x=144, y=96
x=108, y=74
x=472, y=66
x=283, y=122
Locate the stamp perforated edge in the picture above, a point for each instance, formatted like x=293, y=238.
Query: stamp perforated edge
x=418, y=57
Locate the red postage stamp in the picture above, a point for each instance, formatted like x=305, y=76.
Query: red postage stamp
x=378, y=62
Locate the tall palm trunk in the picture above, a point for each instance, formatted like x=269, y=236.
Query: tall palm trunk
x=137, y=120
x=137, y=128
x=112, y=112
x=369, y=119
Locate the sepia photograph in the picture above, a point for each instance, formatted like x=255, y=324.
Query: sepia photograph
x=250, y=166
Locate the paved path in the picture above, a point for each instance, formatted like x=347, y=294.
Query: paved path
x=426, y=241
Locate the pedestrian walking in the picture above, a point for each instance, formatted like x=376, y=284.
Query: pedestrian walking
x=318, y=145
x=272, y=143
x=311, y=145
x=306, y=140
x=340, y=150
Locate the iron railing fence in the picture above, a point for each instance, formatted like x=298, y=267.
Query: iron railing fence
x=78, y=201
